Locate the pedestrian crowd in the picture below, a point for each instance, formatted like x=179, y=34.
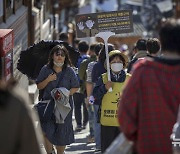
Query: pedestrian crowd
x=141, y=99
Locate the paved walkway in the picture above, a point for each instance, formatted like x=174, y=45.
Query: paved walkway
x=81, y=146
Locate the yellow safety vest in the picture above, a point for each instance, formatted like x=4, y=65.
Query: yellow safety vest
x=110, y=102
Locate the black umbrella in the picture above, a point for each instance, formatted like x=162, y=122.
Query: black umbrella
x=35, y=57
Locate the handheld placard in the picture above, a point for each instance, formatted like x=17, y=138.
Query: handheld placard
x=105, y=36
x=104, y=25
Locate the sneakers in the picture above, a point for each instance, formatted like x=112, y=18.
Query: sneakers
x=53, y=151
x=90, y=139
x=78, y=129
x=84, y=126
x=97, y=149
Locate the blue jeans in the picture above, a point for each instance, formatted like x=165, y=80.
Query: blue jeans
x=97, y=128
x=78, y=102
x=90, y=109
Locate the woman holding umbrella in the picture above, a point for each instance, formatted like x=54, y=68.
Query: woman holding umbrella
x=59, y=135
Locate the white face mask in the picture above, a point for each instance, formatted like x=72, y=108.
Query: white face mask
x=116, y=67
x=58, y=64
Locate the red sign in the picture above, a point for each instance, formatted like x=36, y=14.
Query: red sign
x=6, y=41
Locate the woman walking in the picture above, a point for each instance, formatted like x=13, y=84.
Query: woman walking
x=57, y=68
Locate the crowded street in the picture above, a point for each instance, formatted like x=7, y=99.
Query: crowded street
x=89, y=77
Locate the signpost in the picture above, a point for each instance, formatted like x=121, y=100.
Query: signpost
x=104, y=25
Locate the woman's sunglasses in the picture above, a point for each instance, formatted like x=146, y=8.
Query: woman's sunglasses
x=60, y=53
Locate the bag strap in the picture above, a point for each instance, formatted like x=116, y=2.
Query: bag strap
x=60, y=78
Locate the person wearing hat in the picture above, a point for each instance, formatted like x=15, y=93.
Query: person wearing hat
x=109, y=99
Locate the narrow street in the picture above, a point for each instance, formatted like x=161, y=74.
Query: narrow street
x=103, y=75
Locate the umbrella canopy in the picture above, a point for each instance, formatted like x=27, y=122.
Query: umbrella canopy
x=35, y=57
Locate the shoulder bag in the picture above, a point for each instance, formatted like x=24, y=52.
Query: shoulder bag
x=45, y=108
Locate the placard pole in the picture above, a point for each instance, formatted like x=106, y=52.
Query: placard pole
x=105, y=36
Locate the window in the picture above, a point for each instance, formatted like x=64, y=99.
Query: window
x=18, y=4
x=9, y=7
x=1, y=10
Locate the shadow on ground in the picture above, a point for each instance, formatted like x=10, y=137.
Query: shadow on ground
x=81, y=146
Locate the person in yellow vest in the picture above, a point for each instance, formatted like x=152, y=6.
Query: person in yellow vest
x=109, y=100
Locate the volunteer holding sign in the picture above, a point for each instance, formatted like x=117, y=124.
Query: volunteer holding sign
x=109, y=104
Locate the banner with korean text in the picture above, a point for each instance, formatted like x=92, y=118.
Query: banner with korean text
x=88, y=25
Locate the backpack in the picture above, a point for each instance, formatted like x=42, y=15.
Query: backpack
x=80, y=59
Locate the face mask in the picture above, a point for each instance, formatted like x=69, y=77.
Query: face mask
x=58, y=64
x=116, y=67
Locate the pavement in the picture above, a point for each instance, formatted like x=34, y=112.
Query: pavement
x=81, y=146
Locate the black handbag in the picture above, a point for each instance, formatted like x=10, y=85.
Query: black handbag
x=45, y=108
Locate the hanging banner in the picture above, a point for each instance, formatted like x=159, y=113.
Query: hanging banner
x=88, y=25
